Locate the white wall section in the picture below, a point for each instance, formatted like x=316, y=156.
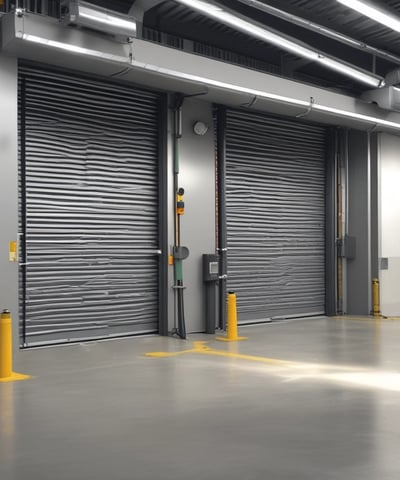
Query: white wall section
x=197, y=177
x=8, y=186
x=390, y=223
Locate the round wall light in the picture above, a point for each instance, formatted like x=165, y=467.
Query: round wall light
x=200, y=128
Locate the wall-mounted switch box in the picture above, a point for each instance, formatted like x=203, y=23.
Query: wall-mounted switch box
x=12, y=251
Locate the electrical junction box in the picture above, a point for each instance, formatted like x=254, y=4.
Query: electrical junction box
x=347, y=247
x=210, y=267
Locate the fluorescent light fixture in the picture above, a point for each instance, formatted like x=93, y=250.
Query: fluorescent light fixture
x=208, y=82
x=315, y=27
x=374, y=13
x=268, y=96
x=74, y=48
x=97, y=18
x=217, y=13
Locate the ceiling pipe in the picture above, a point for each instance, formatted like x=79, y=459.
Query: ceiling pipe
x=326, y=32
x=242, y=24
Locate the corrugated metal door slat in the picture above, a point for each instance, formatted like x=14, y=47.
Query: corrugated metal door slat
x=275, y=205
x=91, y=194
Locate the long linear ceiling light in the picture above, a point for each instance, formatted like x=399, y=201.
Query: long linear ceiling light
x=208, y=82
x=286, y=43
x=74, y=48
x=374, y=13
x=322, y=30
x=374, y=121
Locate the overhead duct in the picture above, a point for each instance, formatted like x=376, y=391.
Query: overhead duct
x=291, y=45
x=84, y=14
x=388, y=97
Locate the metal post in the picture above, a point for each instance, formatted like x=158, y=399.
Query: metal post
x=5, y=345
x=376, y=307
x=232, y=326
x=6, y=371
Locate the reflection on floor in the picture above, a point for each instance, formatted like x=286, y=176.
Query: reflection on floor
x=309, y=399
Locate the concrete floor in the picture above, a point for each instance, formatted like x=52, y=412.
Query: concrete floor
x=105, y=411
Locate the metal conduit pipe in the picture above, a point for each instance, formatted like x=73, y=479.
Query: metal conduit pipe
x=326, y=32
x=179, y=320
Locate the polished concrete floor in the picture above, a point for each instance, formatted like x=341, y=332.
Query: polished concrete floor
x=309, y=399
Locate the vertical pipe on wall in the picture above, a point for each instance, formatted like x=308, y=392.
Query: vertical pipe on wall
x=179, y=316
x=222, y=227
x=342, y=217
x=339, y=234
x=22, y=208
x=163, y=214
x=369, y=202
x=331, y=215
x=374, y=206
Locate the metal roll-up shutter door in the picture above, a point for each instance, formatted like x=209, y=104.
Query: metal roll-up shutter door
x=89, y=206
x=275, y=206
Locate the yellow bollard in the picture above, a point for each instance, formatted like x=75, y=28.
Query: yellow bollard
x=6, y=372
x=232, y=327
x=376, y=308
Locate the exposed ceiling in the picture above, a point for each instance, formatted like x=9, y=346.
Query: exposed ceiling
x=179, y=20
x=212, y=38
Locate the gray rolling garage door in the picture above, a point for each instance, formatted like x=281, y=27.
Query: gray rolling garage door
x=89, y=204
x=275, y=205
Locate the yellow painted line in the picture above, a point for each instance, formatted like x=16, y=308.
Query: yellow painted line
x=203, y=349
x=355, y=318
x=166, y=354
x=251, y=358
x=15, y=377
x=300, y=370
x=366, y=318
x=197, y=346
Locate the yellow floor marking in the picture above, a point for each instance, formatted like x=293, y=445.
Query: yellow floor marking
x=293, y=370
x=202, y=348
x=15, y=377
x=251, y=358
x=167, y=354
x=364, y=318
x=197, y=347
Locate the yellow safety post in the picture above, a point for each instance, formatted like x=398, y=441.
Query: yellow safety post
x=6, y=372
x=376, y=307
x=232, y=327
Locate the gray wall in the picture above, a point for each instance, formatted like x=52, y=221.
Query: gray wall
x=8, y=186
x=389, y=221
x=359, y=268
x=197, y=177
